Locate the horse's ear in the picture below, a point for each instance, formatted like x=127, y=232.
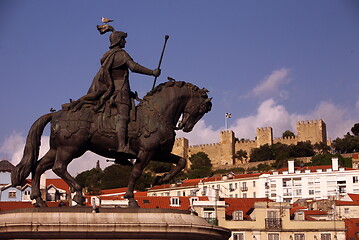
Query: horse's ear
x=205, y=90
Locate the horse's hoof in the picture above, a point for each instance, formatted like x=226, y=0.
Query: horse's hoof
x=39, y=203
x=132, y=203
x=158, y=181
x=79, y=199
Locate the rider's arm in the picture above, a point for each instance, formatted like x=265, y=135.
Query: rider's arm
x=137, y=68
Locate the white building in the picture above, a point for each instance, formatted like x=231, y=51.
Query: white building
x=283, y=185
x=314, y=182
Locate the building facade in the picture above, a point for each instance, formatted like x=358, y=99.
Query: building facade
x=283, y=185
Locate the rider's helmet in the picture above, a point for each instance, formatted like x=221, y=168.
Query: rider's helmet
x=116, y=37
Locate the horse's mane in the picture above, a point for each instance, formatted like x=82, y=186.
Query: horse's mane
x=179, y=84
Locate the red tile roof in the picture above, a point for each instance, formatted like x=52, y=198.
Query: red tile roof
x=58, y=183
x=346, y=203
x=311, y=168
x=17, y=205
x=354, y=197
x=113, y=191
x=352, y=227
x=295, y=209
x=242, y=204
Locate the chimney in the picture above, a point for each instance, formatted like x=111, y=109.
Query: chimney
x=335, y=165
x=290, y=166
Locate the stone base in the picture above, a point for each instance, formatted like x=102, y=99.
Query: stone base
x=106, y=223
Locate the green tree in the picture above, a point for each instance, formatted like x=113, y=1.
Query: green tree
x=262, y=153
x=201, y=166
x=287, y=133
x=355, y=129
x=302, y=149
x=91, y=179
x=241, y=155
x=348, y=144
x=321, y=148
x=326, y=159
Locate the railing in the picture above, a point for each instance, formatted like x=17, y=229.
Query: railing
x=244, y=189
x=273, y=223
x=212, y=221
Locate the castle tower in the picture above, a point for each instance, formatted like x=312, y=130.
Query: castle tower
x=314, y=130
x=264, y=136
x=227, y=141
x=180, y=148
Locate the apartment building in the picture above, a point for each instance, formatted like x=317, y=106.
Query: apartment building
x=283, y=185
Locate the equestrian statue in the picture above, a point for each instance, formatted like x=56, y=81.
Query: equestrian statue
x=107, y=122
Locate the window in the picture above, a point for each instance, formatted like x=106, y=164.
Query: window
x=346, y=210
x=27, y=192
x=174, y=201
x=193, y=200
x=311, y=192
x=272, y=214
x=238, y=236
x=325, y=236
x=178, y=193
x=208, y=213
x=204, y=190
x=273, y=236
x=237, y=215
x=254, y=183
x=12, y=194
x=355, y=179
x=299, y=236
x=254, y=195
x=231, y=187
x=244, y=195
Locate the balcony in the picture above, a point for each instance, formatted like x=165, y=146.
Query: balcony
x=212, y=221
x=244, y=189
x=273, y=223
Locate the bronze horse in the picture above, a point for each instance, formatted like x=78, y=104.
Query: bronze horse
x=151, y=136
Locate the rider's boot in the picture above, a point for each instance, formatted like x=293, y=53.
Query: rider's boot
x=122, y=135
x=123, y=146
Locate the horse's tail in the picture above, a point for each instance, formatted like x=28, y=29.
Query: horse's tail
x=31, y=151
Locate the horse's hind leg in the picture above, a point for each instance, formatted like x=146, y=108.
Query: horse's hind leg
x=42, y=165
x=142, y=160
x=180, y=164
x=63, y=158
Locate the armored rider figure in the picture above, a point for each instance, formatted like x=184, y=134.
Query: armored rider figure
x=112, y=83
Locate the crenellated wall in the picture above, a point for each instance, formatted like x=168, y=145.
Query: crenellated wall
x=222, y=153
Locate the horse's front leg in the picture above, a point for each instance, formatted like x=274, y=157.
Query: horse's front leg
x=180, y=165
x=142, y=160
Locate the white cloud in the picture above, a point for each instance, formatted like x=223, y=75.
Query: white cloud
x=201, y=134
x=338, y=119
x=13, y=148
x=272, y=84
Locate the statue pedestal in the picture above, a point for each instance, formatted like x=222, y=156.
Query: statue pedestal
x=106, y=223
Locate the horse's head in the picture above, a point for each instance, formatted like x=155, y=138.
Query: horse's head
x=194, y=110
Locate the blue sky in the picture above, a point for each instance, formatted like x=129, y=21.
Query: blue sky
x=269, y=63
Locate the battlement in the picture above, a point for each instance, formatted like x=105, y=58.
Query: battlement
x=310, y=122
x=264, y=129
x=245, y=141
x=285, y=138
x=205, y=145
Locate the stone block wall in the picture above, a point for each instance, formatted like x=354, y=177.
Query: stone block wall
x=222, y=153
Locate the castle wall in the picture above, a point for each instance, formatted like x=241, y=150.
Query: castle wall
x=286, y=140
x=212, y=150
x=222, y=153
